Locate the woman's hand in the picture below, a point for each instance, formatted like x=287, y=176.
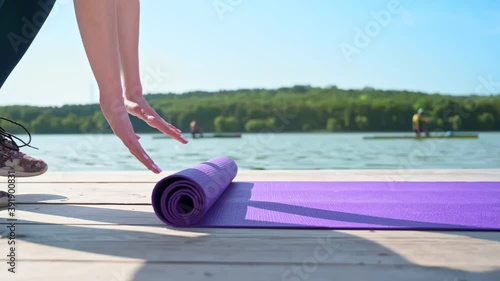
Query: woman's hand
x=116, y=112
x=139, y=107
x=110, y=35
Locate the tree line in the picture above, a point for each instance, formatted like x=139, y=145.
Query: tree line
x=300, y=108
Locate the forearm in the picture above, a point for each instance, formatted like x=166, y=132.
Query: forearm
x=128, y=14
x=98, y=29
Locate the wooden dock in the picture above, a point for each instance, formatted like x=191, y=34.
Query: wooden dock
x=100, y=226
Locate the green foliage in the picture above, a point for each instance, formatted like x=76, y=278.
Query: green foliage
x=259, y=125
x=486, y=121
x=226, y=124
x=333, y=125
x=455, y=122
x=361, y=121
x=300, y=108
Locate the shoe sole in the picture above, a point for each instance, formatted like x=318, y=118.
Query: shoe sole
x=4, y=199
x=4, y=202
x=18, y=174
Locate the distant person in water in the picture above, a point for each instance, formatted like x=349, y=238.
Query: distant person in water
x=418, y=123
x=195, y=129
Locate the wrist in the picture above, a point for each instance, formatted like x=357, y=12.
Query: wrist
x=133, y=92
x=112, y=105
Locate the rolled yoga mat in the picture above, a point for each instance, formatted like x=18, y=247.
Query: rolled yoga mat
x=206, y=196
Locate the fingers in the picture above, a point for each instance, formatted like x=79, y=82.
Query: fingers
x=168, y=129
x=144, y=158
x=125, y=132
x=172, y=127
x=136, y=149
x=119, y=121
x=156, y=116
x=149, y=115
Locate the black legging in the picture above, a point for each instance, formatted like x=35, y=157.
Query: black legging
x=20, y=21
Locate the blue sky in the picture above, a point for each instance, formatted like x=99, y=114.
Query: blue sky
x=437, y=46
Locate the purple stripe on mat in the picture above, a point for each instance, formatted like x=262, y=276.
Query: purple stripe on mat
x=219, y=202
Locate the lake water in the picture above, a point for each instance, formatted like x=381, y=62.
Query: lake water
x=271, y=151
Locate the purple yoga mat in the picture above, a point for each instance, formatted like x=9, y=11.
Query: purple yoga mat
x=184, y=198
x=217, y=201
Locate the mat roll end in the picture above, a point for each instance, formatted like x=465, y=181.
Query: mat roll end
x=182, y=199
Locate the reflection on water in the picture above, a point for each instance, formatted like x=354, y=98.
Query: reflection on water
x=276, y=151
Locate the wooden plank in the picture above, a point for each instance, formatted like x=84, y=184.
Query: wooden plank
x=62, y=270
x=136, y=271
x=84, y=193
x=294, y=175
x=134, y=192
x=83, y=214
x=465, y=251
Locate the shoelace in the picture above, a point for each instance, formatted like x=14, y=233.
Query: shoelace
x=4, y=135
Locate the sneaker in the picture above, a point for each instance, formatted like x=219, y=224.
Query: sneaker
x=13, y=160
x=4, y=199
